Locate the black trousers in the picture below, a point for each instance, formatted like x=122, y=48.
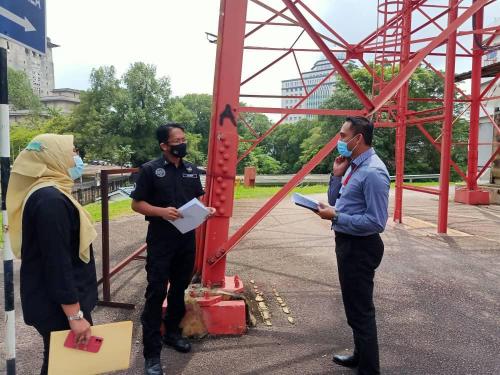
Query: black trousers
x=58, y=322
x=357, y=259
x=170, y=261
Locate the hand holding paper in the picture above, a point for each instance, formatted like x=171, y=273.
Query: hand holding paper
x=306, y=202
x=192, y=215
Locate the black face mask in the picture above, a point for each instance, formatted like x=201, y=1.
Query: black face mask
x=179, y=150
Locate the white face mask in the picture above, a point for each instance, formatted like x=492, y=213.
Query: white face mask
x=76, y=171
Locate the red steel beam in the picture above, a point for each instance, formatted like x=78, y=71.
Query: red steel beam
x=223, y=141
x=457, y=89
x=437, y=146
x=402, y=110
x=267, y=7
x=422, y=189
x=300, y=73
x=329, y=55
x=405, y=74
x=489, y=86
x=441, y=28
x=278, y=59
x=488, y=163
x=449, y=90
x=276, y=15
x=477, y=55
x=270, y=110
x=345, y=44
x=303, y=111
x=271, y=203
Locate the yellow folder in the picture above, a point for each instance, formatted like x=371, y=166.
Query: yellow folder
x=113, y=355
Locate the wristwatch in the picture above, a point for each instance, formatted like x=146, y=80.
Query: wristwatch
x=335, y=218
x=77, y=316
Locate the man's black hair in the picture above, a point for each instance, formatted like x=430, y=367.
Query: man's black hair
x=163, y=131
x=361, y=125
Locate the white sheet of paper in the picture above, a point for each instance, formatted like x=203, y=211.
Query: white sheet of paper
x=194, y=213
x=306, y=202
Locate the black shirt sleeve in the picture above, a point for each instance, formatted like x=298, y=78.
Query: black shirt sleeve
x=53, y=219
x=199, y=187
x=144, y=185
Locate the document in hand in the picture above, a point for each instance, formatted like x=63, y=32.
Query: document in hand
x=306, y=202
x=113, y=355
x=194, y=213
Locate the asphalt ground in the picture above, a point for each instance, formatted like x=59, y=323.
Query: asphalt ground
x=437, y=296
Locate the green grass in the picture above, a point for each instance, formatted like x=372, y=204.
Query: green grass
x=267, y=191
x=116, y=209
x=122, y=208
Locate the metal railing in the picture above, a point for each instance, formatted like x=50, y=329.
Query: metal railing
x=312, y=179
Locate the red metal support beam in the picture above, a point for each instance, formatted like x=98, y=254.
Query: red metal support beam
x=267, y=7
x=271, y=203
x=329, y=55
x=475, y=105
x=279, y=110
x=278, y=59
x=422, y=189
x=303, y=111
x=268, y=22
x=467, y=52
x=488, y=163
x=402, y=111
x=489, y=86
x=405, y=74
x=300, y=73
x=437, y=146
x=223, y=142
x=343, y=42
x=449, y=90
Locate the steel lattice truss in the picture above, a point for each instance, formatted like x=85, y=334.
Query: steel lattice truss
x=410, y=33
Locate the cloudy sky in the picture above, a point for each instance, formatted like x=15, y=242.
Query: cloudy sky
x=171, y=35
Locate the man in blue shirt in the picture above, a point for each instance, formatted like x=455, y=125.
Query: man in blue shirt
x=358, y=195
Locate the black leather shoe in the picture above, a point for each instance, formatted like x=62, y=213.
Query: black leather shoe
x=176, y=341
x=346, y=360
x=152, y=366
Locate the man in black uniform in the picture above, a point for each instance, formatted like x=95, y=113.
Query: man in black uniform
x=164, y=185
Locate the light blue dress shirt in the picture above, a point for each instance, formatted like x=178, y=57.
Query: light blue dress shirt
x=361, y=200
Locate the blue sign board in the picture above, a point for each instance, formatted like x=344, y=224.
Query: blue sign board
x=23, y=21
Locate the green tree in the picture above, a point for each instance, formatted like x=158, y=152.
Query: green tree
x=21, y=94
x=142, y=109
x=116, y=113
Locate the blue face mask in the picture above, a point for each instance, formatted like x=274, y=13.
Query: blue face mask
x=76, y=171
x=343, y=150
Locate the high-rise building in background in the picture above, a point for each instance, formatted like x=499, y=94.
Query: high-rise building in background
x=40, y=71
x=301, y=86
x=39, y=68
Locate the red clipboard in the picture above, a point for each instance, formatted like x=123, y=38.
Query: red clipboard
x=93, y=345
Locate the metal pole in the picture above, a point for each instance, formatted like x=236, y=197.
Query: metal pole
x=106, y=290
x=402, y=108
x=449, y=91
x=8, y=257
x=477, y=55
x=223, y=143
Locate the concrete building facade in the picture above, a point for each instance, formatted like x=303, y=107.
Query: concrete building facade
x=301, y=86
x=39, y=68
x=487, y=132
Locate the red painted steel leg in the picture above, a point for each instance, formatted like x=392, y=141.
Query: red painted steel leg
x=444, y=180
x=402, y=108
x=471, y=194
x=224, y=317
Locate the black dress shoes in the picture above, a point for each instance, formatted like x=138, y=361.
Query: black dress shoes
x=176, y=341
x=346, y=360
x=152, y=366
